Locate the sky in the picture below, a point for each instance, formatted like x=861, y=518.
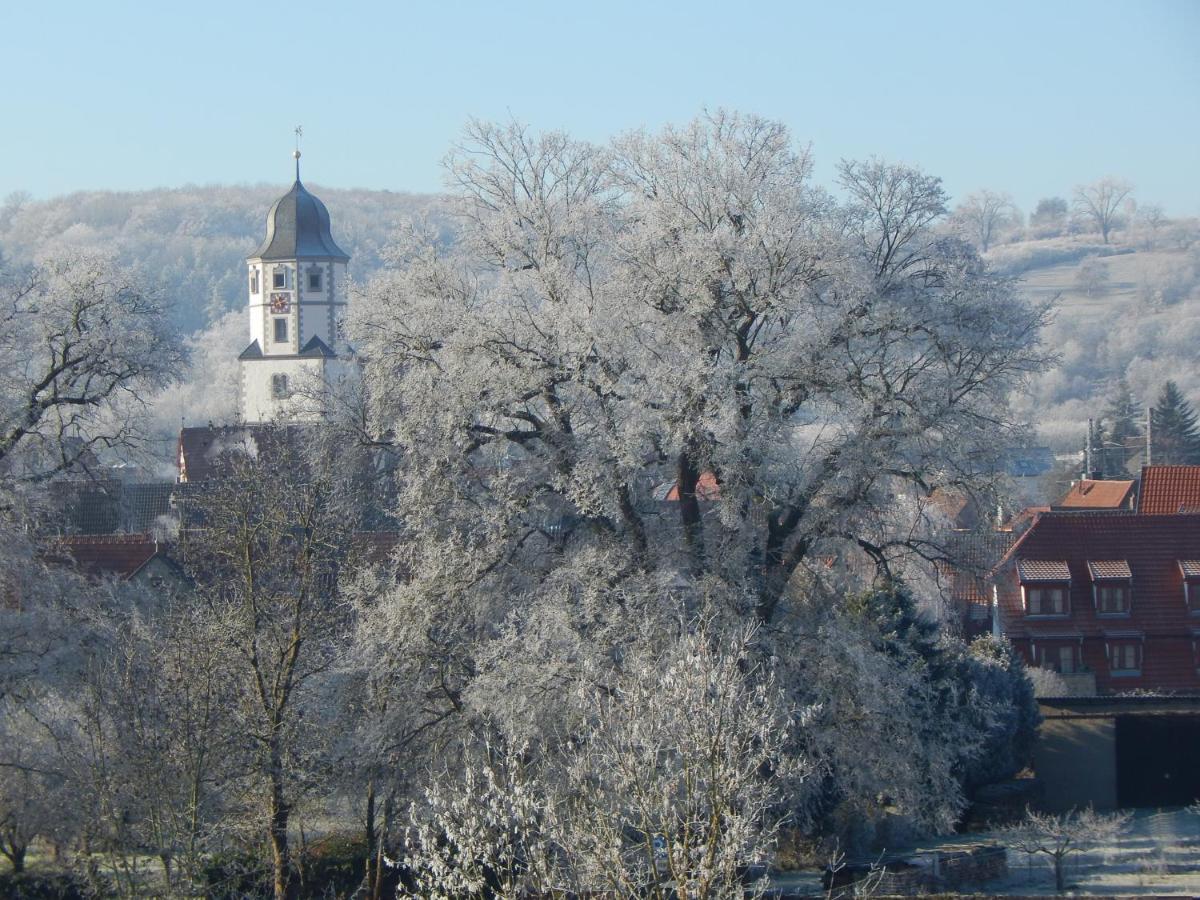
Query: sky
x=1024, y=97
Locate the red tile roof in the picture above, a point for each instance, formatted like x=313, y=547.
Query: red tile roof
x=707, y=488
x=116, y=555
x=1169, y=489
x=1043, y=570
x=1090, y=494
x=1109, y=568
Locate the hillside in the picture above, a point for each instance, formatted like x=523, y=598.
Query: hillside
x=1134, y=313
x=192, y=242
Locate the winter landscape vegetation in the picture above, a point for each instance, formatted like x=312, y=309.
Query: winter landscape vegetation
x=605, y=535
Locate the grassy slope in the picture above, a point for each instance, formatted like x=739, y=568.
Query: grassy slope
x=1119, y=330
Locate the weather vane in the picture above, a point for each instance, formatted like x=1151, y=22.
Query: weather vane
x=296, y=152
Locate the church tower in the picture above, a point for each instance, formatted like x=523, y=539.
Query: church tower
x=295, y=286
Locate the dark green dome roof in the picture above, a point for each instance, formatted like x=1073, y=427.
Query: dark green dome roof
x=298, y=228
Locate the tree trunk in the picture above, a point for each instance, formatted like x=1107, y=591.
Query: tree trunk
x=686, y=479
x=16, y=856
x=372, y=873
x=1060, y=872
x=280, y=858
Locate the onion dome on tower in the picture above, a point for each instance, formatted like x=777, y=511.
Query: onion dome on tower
x=298, y=226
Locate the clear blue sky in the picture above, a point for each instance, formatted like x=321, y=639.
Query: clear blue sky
x=1026, y=97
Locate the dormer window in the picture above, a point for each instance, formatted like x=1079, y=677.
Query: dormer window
x=1111, y=583
x=1190, y=570
x=314, y=280
x=1045, y=587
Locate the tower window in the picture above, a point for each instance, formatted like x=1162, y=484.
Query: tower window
x=254, y=281
x=281, y=335
x=314, y=281
x=279, y=386
x=280, y=276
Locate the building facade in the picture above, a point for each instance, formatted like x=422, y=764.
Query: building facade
x=295, y=285
x=1110, y=600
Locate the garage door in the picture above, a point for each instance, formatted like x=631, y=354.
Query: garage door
x=1158, y=760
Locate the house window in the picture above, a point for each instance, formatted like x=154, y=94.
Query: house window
x=1190, y=570
x=1112, y=599
x=280, y=276
x=1125, y=657
x=279, y=386
x=1062, y=658
x=281, y=331
x=254, y=281
x=314, y=280
x=1046, y=600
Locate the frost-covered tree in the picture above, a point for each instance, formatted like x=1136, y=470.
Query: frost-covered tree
x=982, y=217
x=1099, y=203
x=1059, y=836
x=663, y=377
x=672, y=787
x=1092, y=275
x=1050, y=217
x=263, y=546
x=673, y=308
x=81, y=345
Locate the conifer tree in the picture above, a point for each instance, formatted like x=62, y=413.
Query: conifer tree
x=1120, y=431
x=1122, y=414
x=1174, y=433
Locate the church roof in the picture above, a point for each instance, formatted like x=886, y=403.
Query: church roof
x=298, y=228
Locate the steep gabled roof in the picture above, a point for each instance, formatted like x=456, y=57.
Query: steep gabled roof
x=316, y=348
x=254, y=351
x=1093, y=494
x=1169, y=489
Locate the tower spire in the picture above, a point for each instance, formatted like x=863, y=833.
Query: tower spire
x=296, y=152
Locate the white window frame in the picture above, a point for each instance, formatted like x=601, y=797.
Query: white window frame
x=1115, y=648
x=277, y=322
x=1037, y=589
x=1126, y=587
x=279, y=278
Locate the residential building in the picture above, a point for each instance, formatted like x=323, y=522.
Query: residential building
x=1109, y=600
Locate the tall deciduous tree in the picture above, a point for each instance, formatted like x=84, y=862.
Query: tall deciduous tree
x=660, y=377
x=1100, y=202
x=982, y=216
x=263, y=545
x=1174, y=434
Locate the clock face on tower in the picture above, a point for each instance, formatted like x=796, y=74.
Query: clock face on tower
x=280, y=303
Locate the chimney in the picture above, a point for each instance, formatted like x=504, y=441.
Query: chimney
x=1149, y=442
x=1091, y=457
